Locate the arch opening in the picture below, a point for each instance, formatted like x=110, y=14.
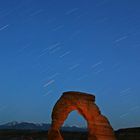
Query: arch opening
x=75, y=119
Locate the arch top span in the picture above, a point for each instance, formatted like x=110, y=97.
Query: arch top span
x=81, y=95
x=98, y=125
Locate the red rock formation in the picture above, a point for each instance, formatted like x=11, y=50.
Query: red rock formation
x=99, y=127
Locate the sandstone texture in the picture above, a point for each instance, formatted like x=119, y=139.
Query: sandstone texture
x=98, y=125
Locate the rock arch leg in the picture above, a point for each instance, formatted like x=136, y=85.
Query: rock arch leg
x=99, y=127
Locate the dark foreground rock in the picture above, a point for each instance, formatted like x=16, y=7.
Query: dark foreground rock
x=128, y=134
x=122, y=134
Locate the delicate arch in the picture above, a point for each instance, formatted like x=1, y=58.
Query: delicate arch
x=98, y=125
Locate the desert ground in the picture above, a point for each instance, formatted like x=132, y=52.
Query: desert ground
x=121, y=134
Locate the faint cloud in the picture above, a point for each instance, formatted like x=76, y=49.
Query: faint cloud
x=58, y=27
x=48, y=92
x=82, y=77
x=55, y=50
x=99, y=71
x=134, y=108
x=4, y=27
x=97, y=64
x=130, y=111
x=37, y=12
x=120, y=39
x=51, y=49
x=49, y=83
x=65, y=54
x=24, y=47
x=125, y=91
x=54, y=75
x=54, y=45
x=124, y=115
x=74, y=66
x=72, y=11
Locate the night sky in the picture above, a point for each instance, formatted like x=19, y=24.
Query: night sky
x=51, y=46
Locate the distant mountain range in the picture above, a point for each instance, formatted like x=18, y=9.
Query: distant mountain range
x=17, y=129
x=36, y=126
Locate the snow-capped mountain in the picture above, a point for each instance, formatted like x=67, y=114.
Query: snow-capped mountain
x=36, y=126
x=25, y=125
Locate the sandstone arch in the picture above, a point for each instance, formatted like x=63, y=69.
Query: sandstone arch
x=98, y=125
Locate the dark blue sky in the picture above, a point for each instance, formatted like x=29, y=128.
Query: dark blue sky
x=51, y=46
